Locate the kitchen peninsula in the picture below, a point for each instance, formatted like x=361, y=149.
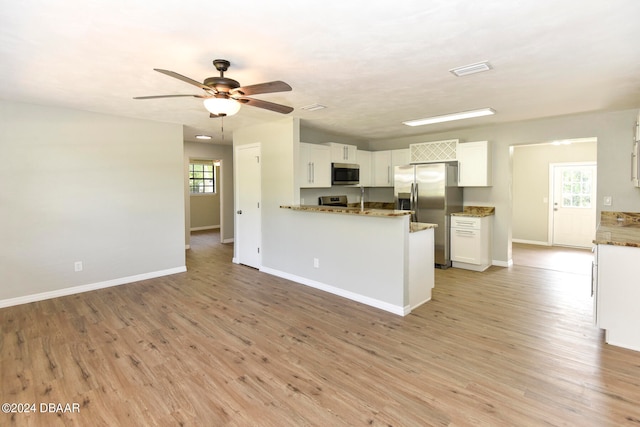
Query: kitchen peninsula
x=374, y=256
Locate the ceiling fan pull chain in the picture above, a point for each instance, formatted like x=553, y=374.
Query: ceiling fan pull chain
x=222, y=127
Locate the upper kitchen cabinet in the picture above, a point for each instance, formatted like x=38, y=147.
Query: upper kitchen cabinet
x=383, y=164
x=474, y=164
x=342, y=153
x=400, y=157
x=363, y=158
x=315, y=165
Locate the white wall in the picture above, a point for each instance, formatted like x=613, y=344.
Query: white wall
x=378, y=269
x=80, y=186
x=224, y=153
x=614, y=131
x=531, y=185
x=279, y=147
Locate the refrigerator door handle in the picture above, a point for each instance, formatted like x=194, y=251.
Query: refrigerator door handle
x=411, y=197
x=415, y=203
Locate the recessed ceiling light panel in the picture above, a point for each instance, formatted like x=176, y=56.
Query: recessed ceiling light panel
x=450, y=117
x=203, y=137
x=465, y=70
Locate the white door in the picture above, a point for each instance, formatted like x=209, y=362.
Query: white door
x=574, y=204
x=248, y=198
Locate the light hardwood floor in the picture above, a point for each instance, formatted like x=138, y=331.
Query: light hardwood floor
x=225, y=344
x=570, y=260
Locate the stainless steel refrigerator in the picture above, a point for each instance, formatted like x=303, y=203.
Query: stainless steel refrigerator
x=431, y=191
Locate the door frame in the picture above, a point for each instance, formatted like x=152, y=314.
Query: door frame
x=551, y=194
x=236, y=190
x=219, y=189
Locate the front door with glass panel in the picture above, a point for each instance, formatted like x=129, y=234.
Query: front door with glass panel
x=574, y=204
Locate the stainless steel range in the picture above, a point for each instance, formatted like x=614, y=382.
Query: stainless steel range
x=332, y=201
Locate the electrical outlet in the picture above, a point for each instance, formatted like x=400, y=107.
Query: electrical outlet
x=607, y=200
x=77, y=266
x=316, y=263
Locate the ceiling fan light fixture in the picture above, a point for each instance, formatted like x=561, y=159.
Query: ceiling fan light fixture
x=450, y=117
x=222, y=106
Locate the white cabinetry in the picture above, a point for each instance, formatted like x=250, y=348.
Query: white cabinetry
x=616, y=294
x=474, y=164
x=315, y=165
x=471, y=242
x=635, y=156
x=363, y=158
x=433, y=152
x=635, y=163
x=383, y=164
x=400, y=157
x=381, y=168
x=342, y=153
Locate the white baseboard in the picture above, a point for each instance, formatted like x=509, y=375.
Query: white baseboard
x=502, y=263
x=90, y=287
x=227, y=240
x=408, y=309
x=187, y=247
x=207, y=227
x=530, y=242
x=395, y=309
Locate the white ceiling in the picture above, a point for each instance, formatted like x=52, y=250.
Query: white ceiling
x=373, y=63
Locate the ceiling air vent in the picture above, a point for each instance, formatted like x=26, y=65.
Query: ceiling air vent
x=313, y=107
x=478, y=67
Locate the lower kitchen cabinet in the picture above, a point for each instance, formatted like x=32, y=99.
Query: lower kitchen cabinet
x=471, y=242
x=616, y=294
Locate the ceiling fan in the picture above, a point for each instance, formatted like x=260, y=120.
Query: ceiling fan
x=224, y=96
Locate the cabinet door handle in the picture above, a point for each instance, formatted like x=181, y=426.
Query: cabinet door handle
x=313, y=172
x=592, y=275
x=465, y=232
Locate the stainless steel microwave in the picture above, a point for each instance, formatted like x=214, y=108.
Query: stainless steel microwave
x=345, y=174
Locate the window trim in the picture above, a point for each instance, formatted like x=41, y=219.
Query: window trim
x=202, y=162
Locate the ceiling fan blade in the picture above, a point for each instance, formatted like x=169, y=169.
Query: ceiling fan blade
x=269, y=87
x=278, y=108
x=168, y=96
x=184, y=79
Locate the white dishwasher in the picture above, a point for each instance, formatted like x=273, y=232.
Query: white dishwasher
x=471, y=242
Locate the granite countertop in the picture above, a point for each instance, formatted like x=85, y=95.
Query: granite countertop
x=420, y=226
x=476, y=211
x=349, y=210
x=369, y=211
x=619, y=229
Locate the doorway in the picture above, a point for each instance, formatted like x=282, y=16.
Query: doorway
x=205, y=208
x=532, y=242
x=572, y=215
